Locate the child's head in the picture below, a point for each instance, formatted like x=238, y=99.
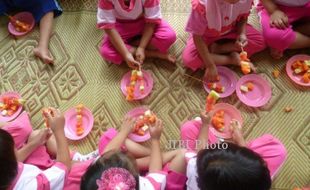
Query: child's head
x=232, y=168
x=111, y=170
x=8, y=163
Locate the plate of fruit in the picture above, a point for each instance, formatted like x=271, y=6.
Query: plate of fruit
x=223, y=114
x=11, y=105
x=144, y=119
x=79, y=122
x=253, y=90
x=226, y=84
x=298, y=69
x=136, y=84
x=21, y=23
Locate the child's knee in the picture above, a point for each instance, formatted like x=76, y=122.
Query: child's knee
x=110, y=55
x=278, y=39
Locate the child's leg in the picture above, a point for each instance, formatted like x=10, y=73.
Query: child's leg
x=137, y=150
x=271, y=150
x=46, y=26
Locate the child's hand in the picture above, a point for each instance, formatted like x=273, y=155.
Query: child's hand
x=131, y=62
x=205, y=118
x=242, y=40
x=127, y=125
x=140, y=55
x=236, y=133
x=211, y=73
x=40, y=137
x=156, y=129
x=56, y=120
x=279, y=20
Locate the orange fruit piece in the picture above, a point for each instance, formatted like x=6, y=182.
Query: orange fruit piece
x=250, y=86
x=276, y=73
x=306, y=78
x=288, y=109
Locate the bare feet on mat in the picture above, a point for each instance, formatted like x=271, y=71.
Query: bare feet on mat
x=44, y=55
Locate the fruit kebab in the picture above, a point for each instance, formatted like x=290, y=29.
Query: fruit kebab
x=211, y=100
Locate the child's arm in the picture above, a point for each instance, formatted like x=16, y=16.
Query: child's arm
x=241, y=31
x=204, y=131
x=211, y=72
x=56, y=122
x=156, y=161
x=36, y=138
x=146, y=37
x=119, y=139
x=120, y=46
x=236, y=133
x=278, y=18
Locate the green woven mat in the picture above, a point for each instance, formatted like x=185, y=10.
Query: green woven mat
x=81, y=75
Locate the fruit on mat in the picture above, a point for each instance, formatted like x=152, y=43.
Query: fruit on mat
x=143, y=122
x=136, y=76
x=276, y=73
x=79, y=119
x=211, y=100
x=288, y=109
x=218, y=121
x=302, y=68
x=9, y=105
x=245, y=63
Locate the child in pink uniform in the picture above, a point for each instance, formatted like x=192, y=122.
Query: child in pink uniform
x=124, y=22
x=36, y=147
x=18, y=176
x=218, y=31
x=111, y=143
x=234, y=167
x=286, y=24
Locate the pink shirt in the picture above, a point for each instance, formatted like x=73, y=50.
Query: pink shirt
x=111, y=10
x=292, y=3
x=197, y=23
x=31, y=177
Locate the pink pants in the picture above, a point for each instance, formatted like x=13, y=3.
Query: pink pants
x=268, y=147
x=282, y=39
x=192, y=59
x=163, y=37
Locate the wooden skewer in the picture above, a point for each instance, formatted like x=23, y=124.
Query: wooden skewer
x=197, y=79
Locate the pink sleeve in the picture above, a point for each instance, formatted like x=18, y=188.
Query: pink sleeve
x=158, y=179
x=197, y=23
x=52, y=178
x=105, y=14
x=152, y=11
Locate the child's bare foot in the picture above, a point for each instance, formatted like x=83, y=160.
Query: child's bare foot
x=276, y=54
x=171, y=58
x=44, y=55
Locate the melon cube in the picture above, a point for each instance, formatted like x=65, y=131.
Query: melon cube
x=244, y=88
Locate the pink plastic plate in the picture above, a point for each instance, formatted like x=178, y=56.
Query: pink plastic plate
x=231, y=113
x=10, y=118
x=259, y=96
x=296, y=78
x=25, y=17
x=228, y=79
x=70, y=126
x=135, y=113
x=148, y=84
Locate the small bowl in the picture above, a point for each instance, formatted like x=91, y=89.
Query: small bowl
x=25, y=17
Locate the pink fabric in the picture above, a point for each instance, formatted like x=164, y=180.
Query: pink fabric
x=78, y=169
x=221, y=14
x=282, y=39
x=156, y=179
x=163, y=37
x=190, y=131
x=192, y=59
x=198, y=22
x=271, y=150
x=175, y=180
x=105, y=138
x=43, y=183
x=20, y=129
x=19, y=172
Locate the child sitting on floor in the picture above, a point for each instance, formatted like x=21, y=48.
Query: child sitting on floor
x=44, y=12
x=18, y=176
x=218, y=31
x=285, y=24
x=135, y=30
x=36, y=147
x=239, y=166
x=100, y=174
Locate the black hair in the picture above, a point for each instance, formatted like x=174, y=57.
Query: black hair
x=8, y=162
x=108, y=160
x=234, y=168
